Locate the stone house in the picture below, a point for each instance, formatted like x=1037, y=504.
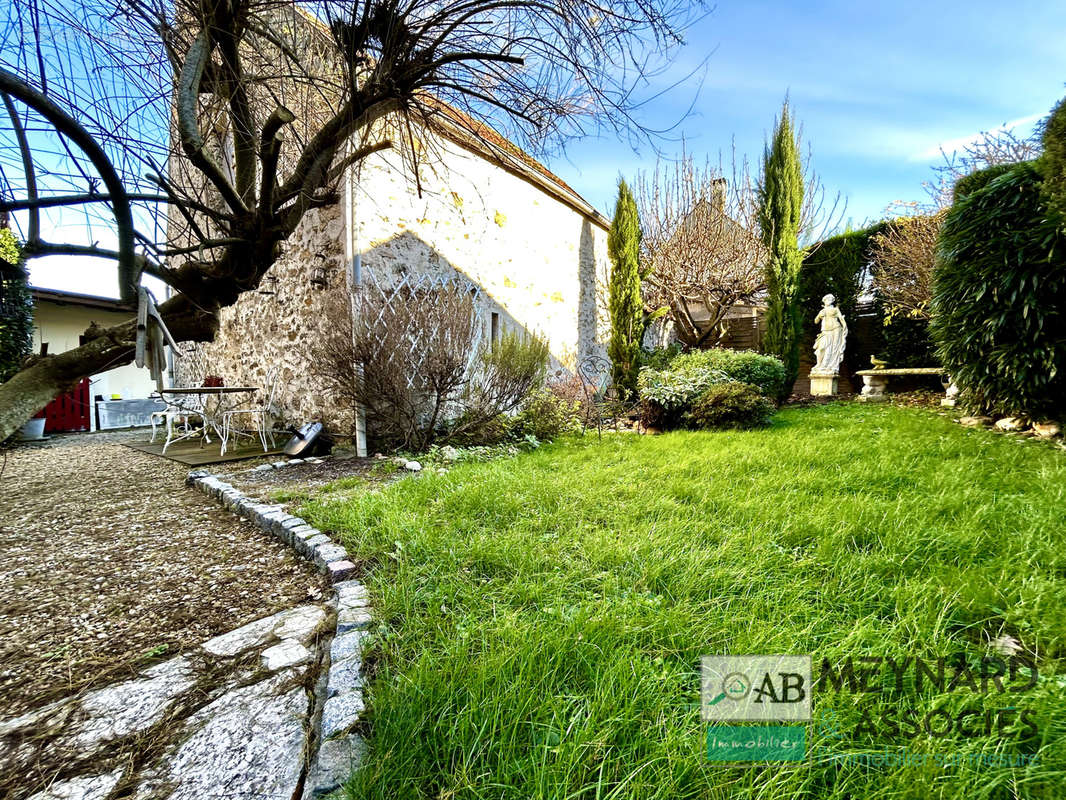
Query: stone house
x=531, y=247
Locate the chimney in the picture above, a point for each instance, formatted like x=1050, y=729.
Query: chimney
x=718, y=187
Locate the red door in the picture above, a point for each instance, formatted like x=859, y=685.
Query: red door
x=70, y=411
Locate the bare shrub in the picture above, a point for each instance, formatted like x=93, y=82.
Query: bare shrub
x=903, y=259
x=410, y=358
x=402, y=359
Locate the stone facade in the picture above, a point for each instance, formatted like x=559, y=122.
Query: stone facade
x=535, y=250
x=264, y=334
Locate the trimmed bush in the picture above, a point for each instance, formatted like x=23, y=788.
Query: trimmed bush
x=766, y=373
x=1054, y=160
x=999, y=296
x=667, y=394
x=730, y=405
x=975, y=181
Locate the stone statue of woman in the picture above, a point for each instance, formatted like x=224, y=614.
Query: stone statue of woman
x=829, y=346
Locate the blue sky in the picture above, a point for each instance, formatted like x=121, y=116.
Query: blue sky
x=877, y=86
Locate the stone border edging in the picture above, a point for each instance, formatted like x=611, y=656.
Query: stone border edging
x=338, y=701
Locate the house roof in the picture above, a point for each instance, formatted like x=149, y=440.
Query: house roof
x=60, y=297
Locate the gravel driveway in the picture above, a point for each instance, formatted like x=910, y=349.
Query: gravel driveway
x=108, y=562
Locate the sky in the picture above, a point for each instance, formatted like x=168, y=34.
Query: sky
x=878, y=88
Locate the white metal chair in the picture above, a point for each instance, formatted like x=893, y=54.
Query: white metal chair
x=261, y=417
x=181, y=414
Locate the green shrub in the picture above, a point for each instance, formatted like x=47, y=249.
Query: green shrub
x=766, y=373
x=661, y=357
x=730, y=405
x=546, y=416
x=1054, y=160
x=999, y=296
x=667, y=394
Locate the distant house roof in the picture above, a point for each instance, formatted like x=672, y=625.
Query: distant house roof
x=77, y=299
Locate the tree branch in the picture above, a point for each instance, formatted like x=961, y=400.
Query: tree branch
x=192, y=142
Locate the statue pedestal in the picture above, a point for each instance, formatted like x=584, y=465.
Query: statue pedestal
x=823, y=384
x=873, y=390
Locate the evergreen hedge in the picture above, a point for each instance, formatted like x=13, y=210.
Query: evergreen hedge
x=839, y=266
x=16, y=307
x=836, y=266
x=999, y=297
x=1054, y=160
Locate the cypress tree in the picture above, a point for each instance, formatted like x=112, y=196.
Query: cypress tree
x=780, y=208
x=626, y=308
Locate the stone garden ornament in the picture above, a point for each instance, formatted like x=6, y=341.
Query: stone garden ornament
x=828, y=348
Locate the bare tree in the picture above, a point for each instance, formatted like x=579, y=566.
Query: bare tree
x=701, y=243
x=988, y=149
x=701, y=246
x=903, y=258
x=229, y=120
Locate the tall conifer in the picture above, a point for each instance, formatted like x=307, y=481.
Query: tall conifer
x=623, y=247
x=780, y=210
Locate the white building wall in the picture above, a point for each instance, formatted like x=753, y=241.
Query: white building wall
x=537, y=260
x=62, y=325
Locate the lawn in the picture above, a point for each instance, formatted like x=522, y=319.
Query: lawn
x=540, y=619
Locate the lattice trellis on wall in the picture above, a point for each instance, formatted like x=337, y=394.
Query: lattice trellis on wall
x=377, y=295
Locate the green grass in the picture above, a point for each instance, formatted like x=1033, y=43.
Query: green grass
x=541, y=619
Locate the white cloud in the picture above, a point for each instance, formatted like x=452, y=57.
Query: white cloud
x=950, y=146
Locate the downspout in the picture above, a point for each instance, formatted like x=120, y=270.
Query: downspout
x=353, y=280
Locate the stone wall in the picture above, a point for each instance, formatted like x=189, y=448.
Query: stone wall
x=263, y=333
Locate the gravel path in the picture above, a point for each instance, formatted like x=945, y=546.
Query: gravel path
x=108, y=562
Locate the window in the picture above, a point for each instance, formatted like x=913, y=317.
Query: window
x=494, y=329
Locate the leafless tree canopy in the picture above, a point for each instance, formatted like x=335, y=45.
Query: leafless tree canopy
x=990, y=149
x=903, y=259
x=230, y=119
x=701, y=244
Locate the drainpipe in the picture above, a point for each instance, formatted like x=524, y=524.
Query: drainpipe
x=354, y=276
